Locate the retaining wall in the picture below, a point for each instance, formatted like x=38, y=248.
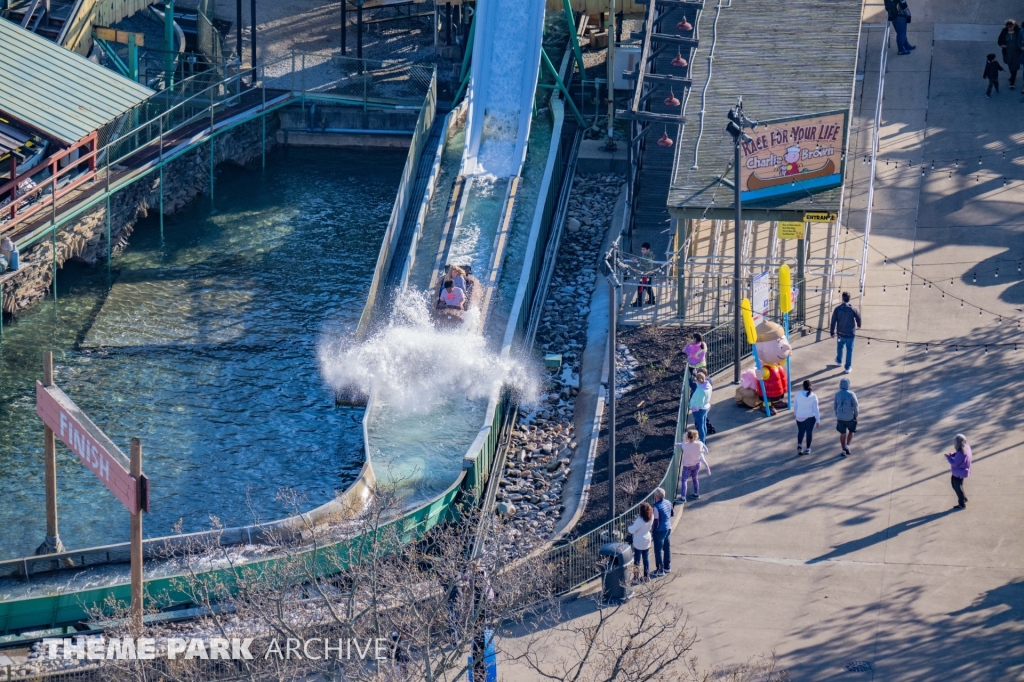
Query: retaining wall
x=85, y=240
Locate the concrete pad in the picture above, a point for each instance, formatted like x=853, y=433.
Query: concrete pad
x=985, y=33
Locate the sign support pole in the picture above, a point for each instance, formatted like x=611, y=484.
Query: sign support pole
x=52, y=544
x=136, y=540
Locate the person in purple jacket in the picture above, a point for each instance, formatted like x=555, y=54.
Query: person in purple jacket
x=960, y=464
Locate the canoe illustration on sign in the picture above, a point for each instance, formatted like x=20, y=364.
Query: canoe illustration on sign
x=756, y=182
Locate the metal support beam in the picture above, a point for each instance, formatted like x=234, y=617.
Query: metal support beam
x=252, y=35
x=359, y=32
x=574, y=39
x=674, y=80
x=238, y=29
x=651, y=117
x=169, y=44
x=464, y=72
x=674, y=40
x=212, y=161
x=344, y=26
x=133, y=58
x=682, y=4
x=561, y=86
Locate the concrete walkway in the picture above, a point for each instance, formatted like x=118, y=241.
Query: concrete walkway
x=860, y=562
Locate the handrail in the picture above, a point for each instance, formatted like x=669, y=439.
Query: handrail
x=403, y=201
x=875, y=126
x=206, y=102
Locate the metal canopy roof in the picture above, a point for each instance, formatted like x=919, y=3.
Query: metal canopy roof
x=774, y=56
x=62, y=94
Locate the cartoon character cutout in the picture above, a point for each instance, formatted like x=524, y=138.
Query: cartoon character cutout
x=792, y=158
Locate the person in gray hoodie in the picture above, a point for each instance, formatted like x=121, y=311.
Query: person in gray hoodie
x=847, y=410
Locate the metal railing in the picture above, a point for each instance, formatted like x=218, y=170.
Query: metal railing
x=169, y=121
x=403, y=202
x=358, y=80
x=580, y=561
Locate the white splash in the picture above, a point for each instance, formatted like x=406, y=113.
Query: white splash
x=414, y=367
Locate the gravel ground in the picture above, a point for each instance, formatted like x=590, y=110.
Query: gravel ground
x=543, y=441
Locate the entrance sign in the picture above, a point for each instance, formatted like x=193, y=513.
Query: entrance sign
x=92, y=447
x=793, y=156
x=761, y=295
x=820, y=217
x=791, y=230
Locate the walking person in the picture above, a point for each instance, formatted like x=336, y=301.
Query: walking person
x=660, y=532
x=845, y=322
x=1010, y=41
x=640, y=529
x=645, y=262
x=898, y=12
x=960, y=466
x=696, y=358
x=847, y=411
x=693, y=450
x=700, y=403
x=991, y=73
x=805, y=409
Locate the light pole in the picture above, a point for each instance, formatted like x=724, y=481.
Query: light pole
x=737, y=122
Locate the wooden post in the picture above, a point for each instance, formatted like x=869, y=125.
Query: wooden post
x=136, y=544
x=52, y=542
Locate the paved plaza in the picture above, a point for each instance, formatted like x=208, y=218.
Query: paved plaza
x=862, y=563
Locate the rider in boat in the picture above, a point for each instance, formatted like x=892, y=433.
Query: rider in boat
x=458, y=276
x=451, y=296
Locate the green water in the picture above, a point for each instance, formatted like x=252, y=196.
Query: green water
x=203, y=344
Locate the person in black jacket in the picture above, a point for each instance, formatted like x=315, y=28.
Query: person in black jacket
x=1010, y=41
x=845, y=322
x=898, y=12
x=992, y=70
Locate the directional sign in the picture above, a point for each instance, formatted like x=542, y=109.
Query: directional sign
x=97, y=452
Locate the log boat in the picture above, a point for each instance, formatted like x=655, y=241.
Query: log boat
x=756, y=182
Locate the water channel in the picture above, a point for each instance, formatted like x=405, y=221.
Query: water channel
x=203, y=343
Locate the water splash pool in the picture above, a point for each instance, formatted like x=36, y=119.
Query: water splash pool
x=204, y=347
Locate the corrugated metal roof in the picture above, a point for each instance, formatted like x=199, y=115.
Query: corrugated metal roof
x=785, y=59
x=57, y=91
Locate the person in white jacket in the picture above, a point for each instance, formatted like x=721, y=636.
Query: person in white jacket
x=641, y=532
x=805, y=409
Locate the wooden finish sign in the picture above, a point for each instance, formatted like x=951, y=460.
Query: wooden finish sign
x=97, y=452
x=793, y=156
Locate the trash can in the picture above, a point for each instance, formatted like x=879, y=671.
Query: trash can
x=615, y=585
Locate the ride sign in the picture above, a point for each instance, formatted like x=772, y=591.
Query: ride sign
x=97, y=452
x=793, y=156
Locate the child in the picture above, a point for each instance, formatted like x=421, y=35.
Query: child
x=693, y=456
x=992, y=69
x=641, y=532
x=696, y=358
